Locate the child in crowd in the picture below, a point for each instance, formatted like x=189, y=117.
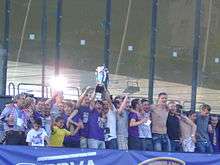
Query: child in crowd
x=37, y=135
x=58, y=133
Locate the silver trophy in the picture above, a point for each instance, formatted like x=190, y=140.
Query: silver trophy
x=102, y=79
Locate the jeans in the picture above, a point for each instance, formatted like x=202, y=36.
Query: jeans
x=146, y=144
x=204, y=147
x=161, y=142
x=122, y=142
x=176, y=146
x=83, y=142
x=72, y=144
x=111, y=144
x=134, y=143
x=96, y=144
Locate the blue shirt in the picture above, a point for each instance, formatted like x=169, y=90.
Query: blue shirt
x=202, y=128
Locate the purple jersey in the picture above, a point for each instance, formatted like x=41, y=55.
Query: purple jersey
x=84, y=115
x=75, y=137
x=133, y=131
x=96, y=126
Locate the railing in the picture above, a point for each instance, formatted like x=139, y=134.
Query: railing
x=11, y=84
x=71, y=91
x=36, y=85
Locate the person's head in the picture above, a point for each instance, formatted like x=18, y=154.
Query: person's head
x=68, y=108
x=117, y=103
x=145, y=105
x=179, y=108
x=214, y=120
x=205, y=110
x=20, y=100
x=59, y=122
x=48, y=103
x=162, y=98
x=99, y=105
x=45, y=111
x=136, y=104
x=40, y=105
x=61, y=107
x=59, y=97
x=172, y=107
x=105, y=104
x=86, y=101
x=191, y=115
x=37, y=124
x=28, y=102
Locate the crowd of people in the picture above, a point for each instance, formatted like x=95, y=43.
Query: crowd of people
x=110, y=123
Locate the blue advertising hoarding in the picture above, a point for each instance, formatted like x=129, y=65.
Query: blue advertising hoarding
x=21, y=155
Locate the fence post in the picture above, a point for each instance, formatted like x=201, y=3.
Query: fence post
x=197, y=31
x=152, y=50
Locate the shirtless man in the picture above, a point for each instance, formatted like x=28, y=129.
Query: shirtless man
x=159, y=114
x=188, y=131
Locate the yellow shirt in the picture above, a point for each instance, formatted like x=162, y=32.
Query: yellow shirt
x=57, y=136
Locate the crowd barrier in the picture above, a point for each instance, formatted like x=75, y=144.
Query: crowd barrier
x=24, y=155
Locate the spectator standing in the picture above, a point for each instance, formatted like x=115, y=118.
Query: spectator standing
x=46, y=118
x=73, y=124
x=58, y=133
x=203, y=143
x=214, y=133
x=110, y=130
x=145, y=128
x=173, y=128
x=122, y=122
x=84, y=107
x=96, y=123
x=188, y=131
x=15, y=121
x=159, y=114
x=37, y=135
x=57, y=108
x=133, y=125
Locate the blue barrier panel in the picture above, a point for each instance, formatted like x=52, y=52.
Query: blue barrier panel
x=22, y=155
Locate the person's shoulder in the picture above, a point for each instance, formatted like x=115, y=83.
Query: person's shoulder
x=133, y=114
x=153, y=106
x=9, y=107
x=42, y=130
x=31, y=131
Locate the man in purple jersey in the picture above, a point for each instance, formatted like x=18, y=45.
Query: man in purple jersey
x=84, y=108
x=74, y=124
x=96, y=124
x=133, y=123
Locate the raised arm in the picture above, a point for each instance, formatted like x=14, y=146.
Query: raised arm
x=81, y=98
x=108, y=98
x=123, y=105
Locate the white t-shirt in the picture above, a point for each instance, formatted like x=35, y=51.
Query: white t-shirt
x=36, y=138
x=111, y=123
